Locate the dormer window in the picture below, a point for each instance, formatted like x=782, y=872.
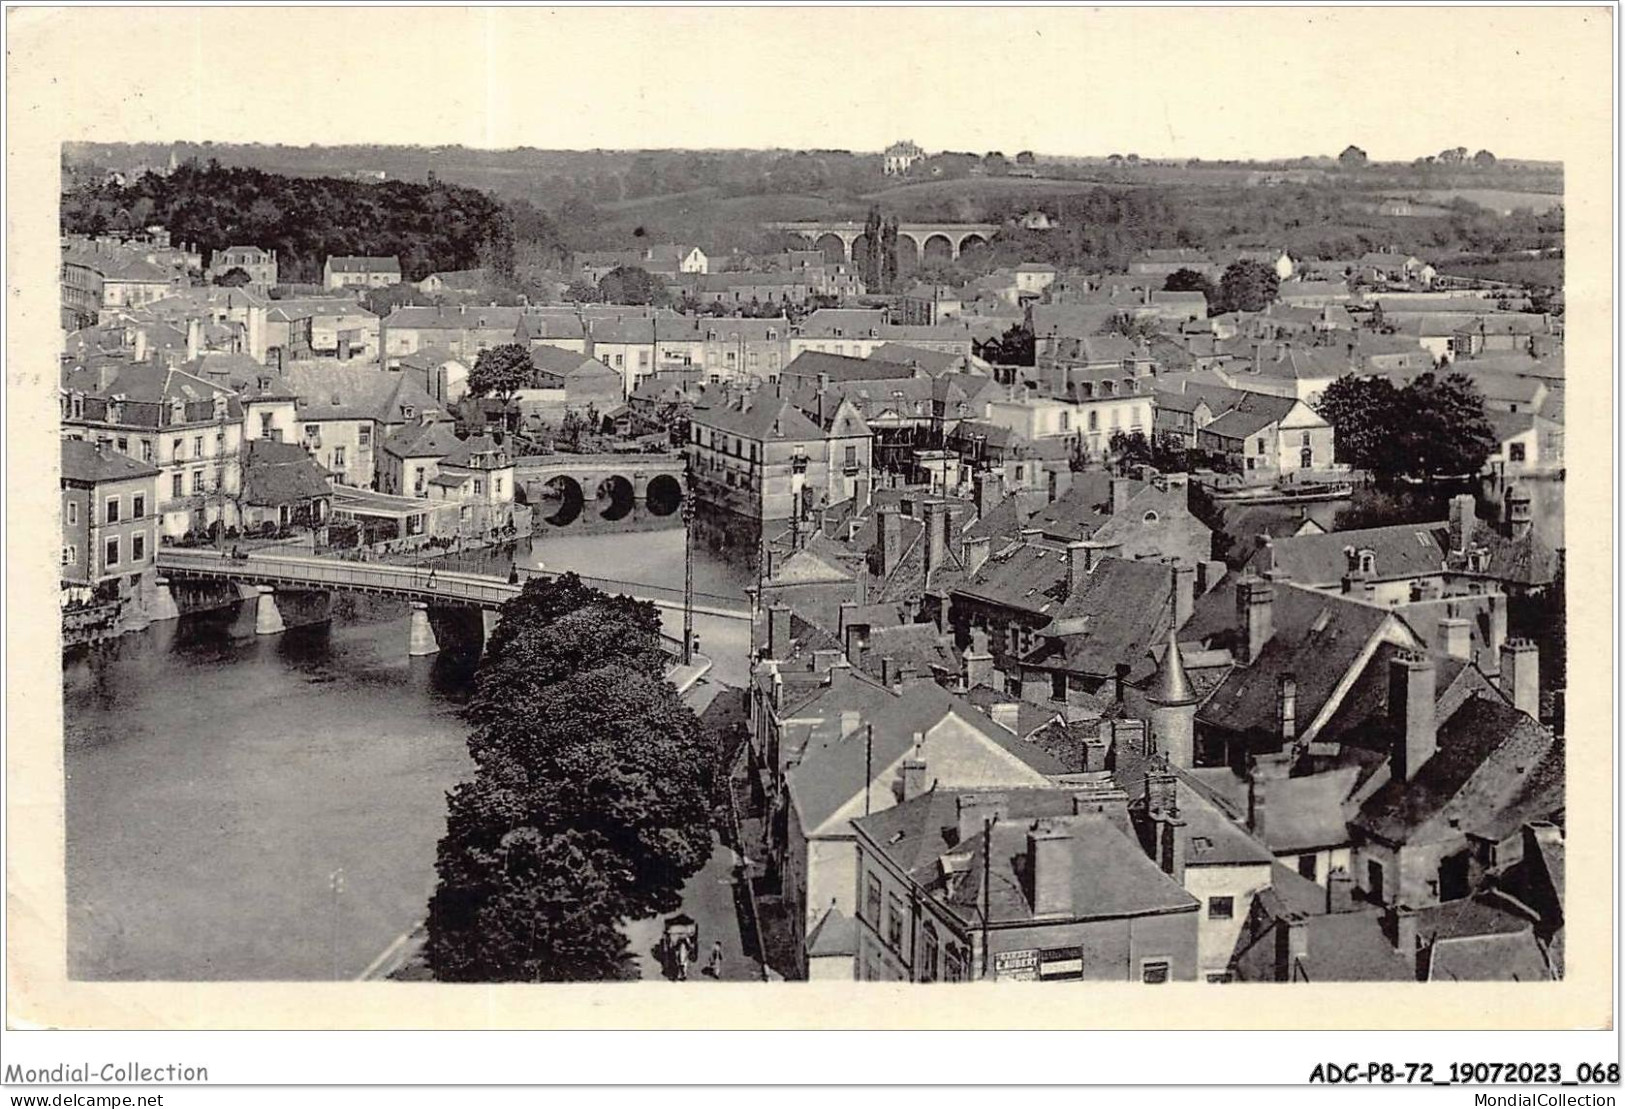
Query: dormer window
x=407, y=411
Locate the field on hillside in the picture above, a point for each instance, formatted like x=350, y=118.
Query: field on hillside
x=719, y=223
x=1496, y=200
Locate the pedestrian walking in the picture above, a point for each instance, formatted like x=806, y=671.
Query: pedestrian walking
x=682, y=961
x=714, y=967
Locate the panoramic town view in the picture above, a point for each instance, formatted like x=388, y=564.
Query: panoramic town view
x=811, y=565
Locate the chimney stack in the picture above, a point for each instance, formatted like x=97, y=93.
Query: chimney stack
x=1520, y=675
x=1463, y=520
x=977, y=551
x=1519, y=512
x=1007, y=715
x=1291, y=946
x=989, y=491
x=1457, y=635
x=1078, y=559
x=194, y=339
x=1120, y=493
x=778, y=631
x=1049, y=867
x=140, y=354
x=890, y=526
x=1162, y=806
x=1184, y=593
x=977, y=660
x=1255, y=603
x=1411, y=701
x=914, y=781
x=936, y=546
x=890, y=673
x=975, y=808
x=1286, y=709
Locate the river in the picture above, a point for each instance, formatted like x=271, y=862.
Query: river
x=218, y=781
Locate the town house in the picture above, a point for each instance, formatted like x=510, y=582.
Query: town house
x=342, y=271
x=109, y=523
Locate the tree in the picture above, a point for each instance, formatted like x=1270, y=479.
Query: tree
x=501, y=372
x=1016, y=347
x=888, y=254
x=1190, y=281
x=233, y=278
x=1352, y=158
x=590, y=803
x=1362, y=411
x=580, y=292
x=1130, y=326
x=1025, y=158
x=384, y=300
x=1483, y=159
x=1247, y=286
x=1129, y=449
x=1432, y=427
x=632, y=285
x=869, y=266
x=995, y=163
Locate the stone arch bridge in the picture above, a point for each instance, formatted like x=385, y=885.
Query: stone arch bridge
x=929, y=241
x=622, y=480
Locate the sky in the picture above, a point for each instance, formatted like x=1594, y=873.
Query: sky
x=1161, y=82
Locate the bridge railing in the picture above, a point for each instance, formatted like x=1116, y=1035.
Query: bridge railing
x=429, y=584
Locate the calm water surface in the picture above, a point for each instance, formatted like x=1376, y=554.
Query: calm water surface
x=217, y=780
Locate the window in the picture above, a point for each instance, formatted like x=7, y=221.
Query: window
x=1221, y=908
x=1515, y=452
x=928, y=953
x=1305, y=440
x=175, y=485
x=1094, y=420
x=479, y=487
x=953, y=965
x=1373, y=880
x=146, y=450
x=496, y=485
x=123, y=445
x=1154, y=972
x=197, y=481
x=197, y=446
x=851, y=456
x=112, y=510
x=112, y=552
x=364, y=435
x=417, y=481
x=138, y=548
x=1260, y=445
x=1308, y=866
x=177, y=448
x=1060, y=964
x=1057, y=686
x=1066, y=420
x=138, y=505
x=338, y=458
x=871, y=905
x=73, y=512
x=70, y=555
x=894, y=922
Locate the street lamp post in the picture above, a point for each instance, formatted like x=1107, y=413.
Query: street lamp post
x=688, y=567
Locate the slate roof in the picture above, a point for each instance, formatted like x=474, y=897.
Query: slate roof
x=806, y=366
x=1509, y=957
x=1123, y=607
x=765, y=416
x=1111, y=875
x=835, y=935
x=1237, y=425
x=355, y=263
x=832, y=769
x=82, y=462
x=1317, y=637
x=281, y=473
x=1024, y=576
x=1402, y=551
x=933, y=362
x=354, y=392
x=1083, y=509
x=1486, y=751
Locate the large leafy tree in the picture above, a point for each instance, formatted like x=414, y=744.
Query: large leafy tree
x=1247, y=286
x=632, y=285
x=1432, y=427
x=500, y=372
x=1352, y=157
x=590, y=803
x=1189, y=281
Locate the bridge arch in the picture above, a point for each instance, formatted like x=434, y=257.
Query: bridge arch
x=618, y=491
x=973, y=243
x=571, y=499
x=665, y=495
x=833, y=246
x=859, y=246
x=938, y=250
x=908, y=252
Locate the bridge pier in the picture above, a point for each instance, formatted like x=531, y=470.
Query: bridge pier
x=420, y=639
x=267, y=617
x=489, y=619
x=640, y=487
x=163, y=606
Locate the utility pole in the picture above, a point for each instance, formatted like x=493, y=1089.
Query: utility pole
x=987, y=892
x=688, y=567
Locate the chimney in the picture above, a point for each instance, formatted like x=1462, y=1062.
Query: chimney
x=953, y=528
x=1411, y=700
x=1208, y=574
x=1007, y=715
x=1458, y=637
x=1402, y=922
x=140, y=354
x=1184, y=593
x=845, y=618
x=1049, y=867
x=1255, y=603
x=824, y=659
x=851, y=721
x=1463, y=519
x=854, y=644
x=1162, y=806
x=890, y=526
x=1119, y=680
x=974, y=808
x=1120, y=493
x=989, y=491
x=1520, y=675
x=977, y=660
x=1286, y=709
x=194, y=339
x=1292, y=946
x=936, y=546
x=1078, y=557
x=890, y=673
x=977, y=551
x=778, y=632
x=914, y=780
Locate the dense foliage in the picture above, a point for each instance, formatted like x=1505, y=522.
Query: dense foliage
x=1434, y=426
x=590, y=802
x=429, y=227
x=632, y=285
